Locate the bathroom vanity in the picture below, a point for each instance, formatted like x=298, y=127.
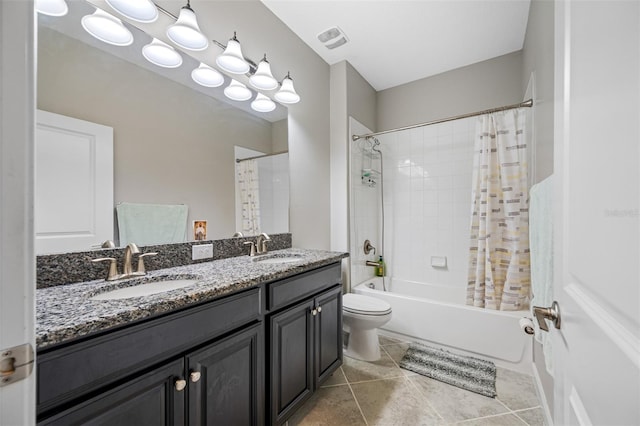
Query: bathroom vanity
x=247, y=344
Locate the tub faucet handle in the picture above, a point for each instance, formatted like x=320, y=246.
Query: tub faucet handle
x=368, y=247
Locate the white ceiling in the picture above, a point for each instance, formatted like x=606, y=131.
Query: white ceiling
x=394, y=42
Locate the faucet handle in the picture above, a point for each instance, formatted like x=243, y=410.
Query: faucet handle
x=253, y=247
x=141, y=270
x=263, y=246
x=113, y=268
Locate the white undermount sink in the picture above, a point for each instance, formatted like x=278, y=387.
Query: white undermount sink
x=279, y=259
x=145, y=289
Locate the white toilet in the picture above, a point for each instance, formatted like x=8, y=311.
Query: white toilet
x=362, y=315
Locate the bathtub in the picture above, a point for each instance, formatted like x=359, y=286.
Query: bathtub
x=436, y=315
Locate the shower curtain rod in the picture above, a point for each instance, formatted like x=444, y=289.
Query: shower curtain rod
x=260, y=156
x=526, y=104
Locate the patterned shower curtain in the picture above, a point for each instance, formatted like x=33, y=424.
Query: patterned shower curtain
x=247, y=172
x=499, y=269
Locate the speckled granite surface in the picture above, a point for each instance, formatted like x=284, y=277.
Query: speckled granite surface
x=66, y=312
x=66, y=268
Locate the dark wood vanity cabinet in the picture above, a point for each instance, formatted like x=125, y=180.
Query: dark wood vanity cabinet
x=305, y=347
x=250, y=358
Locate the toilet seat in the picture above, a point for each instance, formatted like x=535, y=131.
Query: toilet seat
x=364, y=305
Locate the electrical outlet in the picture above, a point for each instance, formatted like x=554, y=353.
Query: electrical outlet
x=201, y=251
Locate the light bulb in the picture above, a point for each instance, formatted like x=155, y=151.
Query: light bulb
x=52, y=7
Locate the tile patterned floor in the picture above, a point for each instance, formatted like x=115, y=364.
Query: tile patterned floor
x=381, y=393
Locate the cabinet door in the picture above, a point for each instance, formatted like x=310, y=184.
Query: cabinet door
x=151, y=399
x=230, y=387
x=328, y=333
x=291, y=340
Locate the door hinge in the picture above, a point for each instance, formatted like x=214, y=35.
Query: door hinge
x=15, y=364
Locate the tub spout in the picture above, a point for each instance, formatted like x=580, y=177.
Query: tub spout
x=371, y=263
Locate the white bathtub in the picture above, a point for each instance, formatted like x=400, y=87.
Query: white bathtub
x=437, y=315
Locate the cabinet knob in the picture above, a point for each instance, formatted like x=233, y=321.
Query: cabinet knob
x=194, y=376
x=180, y=384
x=314, y=312
x=319, y=309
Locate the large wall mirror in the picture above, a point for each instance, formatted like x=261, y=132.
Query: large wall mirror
x=174, y=141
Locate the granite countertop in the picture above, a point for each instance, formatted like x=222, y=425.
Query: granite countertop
x=66, y=312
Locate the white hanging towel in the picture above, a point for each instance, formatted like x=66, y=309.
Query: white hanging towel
x=541, y=244
x=149, y=224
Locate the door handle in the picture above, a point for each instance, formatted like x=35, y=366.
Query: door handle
x=552, y=313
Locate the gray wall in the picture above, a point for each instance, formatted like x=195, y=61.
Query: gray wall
x=476, y=87
x=538, y=59
x=172, y=145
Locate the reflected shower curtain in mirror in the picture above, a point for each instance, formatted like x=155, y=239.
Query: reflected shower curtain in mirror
x=248, y=183
x=499, y=269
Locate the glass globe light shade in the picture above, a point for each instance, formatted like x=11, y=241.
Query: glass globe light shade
x=206, y=76
x=106, y=27
x=186, y=32
x=237, y=91
x=161, y=54
x=287, y=93
x=263, y=79
x=231, y=60
x=52, y=7
x=263, y=104
x=136, y=10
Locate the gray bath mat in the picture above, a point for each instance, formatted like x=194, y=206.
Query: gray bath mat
x=473, y=374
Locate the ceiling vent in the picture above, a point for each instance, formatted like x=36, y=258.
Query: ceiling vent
x=332, y=38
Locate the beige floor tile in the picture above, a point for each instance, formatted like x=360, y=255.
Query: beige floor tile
x=396, y=351
x=337, y=378
x=332, y=406
x=359, y=371
x=455, y=404
x=394, y=402
x=533, y=416
x=504, y=420
x=516, y=390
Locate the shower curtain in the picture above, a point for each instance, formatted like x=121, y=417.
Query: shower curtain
x=499, y=269
x=248, y=183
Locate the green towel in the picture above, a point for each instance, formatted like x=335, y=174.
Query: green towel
x=149, y=224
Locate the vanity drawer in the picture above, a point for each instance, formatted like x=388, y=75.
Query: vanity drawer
x=69, y=372
x=284, y=292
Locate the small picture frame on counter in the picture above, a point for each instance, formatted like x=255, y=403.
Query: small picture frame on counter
x=199, y=230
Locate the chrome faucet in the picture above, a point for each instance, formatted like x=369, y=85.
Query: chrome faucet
x=127, y=268
x=261, y=243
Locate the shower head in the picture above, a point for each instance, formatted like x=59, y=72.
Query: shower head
x=376, y=142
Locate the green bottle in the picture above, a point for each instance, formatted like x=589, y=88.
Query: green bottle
x=381, y=269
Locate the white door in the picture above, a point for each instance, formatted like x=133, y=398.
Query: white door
x=597, y=162
x=73, y=184
x=17, y=262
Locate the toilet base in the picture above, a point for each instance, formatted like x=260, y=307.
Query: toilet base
x=363, y=345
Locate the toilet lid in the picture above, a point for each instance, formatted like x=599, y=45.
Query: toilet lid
x=365, y=305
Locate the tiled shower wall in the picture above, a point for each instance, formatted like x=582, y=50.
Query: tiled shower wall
x=427, y=200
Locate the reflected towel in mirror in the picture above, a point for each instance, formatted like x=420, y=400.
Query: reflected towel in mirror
x=148, y=224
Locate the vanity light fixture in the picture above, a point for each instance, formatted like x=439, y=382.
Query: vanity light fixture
x=262, y=78
x=138, y=10
x=262, y=104
x=237, y=91
x=161, y=54
x=106, y=27
x=231, y=60
x=186, y=32
x=206, y=76
x=52, y=7
x=287, y=94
